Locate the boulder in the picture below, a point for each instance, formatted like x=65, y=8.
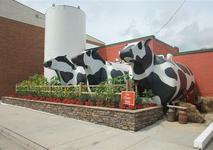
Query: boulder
x=206, y=104
x=193, y=114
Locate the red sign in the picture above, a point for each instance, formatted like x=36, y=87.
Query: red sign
x=128, y=98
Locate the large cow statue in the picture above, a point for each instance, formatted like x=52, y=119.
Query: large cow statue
x=97, y=69
x=167, y=80
x=66, y=71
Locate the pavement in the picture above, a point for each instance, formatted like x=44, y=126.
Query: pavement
x=22, y=128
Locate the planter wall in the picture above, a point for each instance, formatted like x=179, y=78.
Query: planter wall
x=123, y=119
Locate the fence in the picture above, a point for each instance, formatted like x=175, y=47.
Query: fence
x=80, y=89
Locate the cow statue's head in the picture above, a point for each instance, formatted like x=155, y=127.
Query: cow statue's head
x=64, y=69
x=137, y=53
x=60, y=63
x=88, y=58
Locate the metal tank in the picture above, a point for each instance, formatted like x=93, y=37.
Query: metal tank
x=65, y=33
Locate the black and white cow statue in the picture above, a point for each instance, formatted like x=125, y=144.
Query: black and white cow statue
x=168, y=80
x=97, y=69
x=66, y=71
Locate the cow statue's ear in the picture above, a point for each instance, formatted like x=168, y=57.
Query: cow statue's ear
x=95, y=51
x=88, y=52
x=146, y=42
x=140, y=45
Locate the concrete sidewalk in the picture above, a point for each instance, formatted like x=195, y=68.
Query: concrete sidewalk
x=58, y=133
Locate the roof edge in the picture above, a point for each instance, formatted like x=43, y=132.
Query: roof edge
x=132, y=40
x=29, y=7
x=165, y=43
x=97, y=40
x=194, y=51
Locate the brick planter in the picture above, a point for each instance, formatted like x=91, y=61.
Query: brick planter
x=123, y=119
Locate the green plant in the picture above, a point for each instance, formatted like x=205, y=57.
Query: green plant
x=58, y=93
x=93, y=99
x=148, y=93
x=99, y=90
x=83, y=98
x=31, y=85
x=36, y=80
x=108, y=92
x=119, y=79
x=72, y=95
x=116, y=100
x=55, y=81
x=138, y=100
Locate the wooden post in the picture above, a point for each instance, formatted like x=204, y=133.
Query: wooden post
x=16, y=88
x=127, y=89
x=80, y=88
x=128, y=85
x=136, y=88
x=50, y=89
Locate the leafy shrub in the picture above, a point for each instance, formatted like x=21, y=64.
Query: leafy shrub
x=148, y=93
x=55, y=81
x=25, y=86
x=38, y=86
x=116, y=100
x=138, y=100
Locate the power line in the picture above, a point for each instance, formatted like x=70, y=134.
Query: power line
x=181, y=5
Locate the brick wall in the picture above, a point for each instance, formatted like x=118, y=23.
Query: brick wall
x=200, y=63
x=21, y=53
x=111, y=52
x=160, y=47
x=118, y=118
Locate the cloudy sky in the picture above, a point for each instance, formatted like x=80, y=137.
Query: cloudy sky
x=118, y=20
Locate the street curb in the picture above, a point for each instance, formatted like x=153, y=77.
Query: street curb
x=203, y=139
x=21, y=140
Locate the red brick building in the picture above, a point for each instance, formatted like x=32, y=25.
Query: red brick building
x=200, y=62
x=111, y=52
x=21, y=44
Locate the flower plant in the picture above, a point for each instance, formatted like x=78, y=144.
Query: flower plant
x=105, y=94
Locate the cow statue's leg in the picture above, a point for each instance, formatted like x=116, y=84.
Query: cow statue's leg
x=156, y=100
x=88, y=87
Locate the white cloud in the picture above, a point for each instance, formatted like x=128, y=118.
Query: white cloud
x=117, y=20
x=131, y=31
x=193, y=37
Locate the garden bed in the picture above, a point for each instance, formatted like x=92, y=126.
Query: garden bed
x=87, y=102
x=119, y=118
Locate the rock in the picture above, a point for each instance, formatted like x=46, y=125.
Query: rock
x=206, y=104
x=193, y=114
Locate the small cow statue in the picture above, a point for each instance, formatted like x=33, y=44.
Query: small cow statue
x=97, y=69
x=168, y=80
x=66, y=71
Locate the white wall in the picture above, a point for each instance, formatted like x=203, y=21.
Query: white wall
x=88, y=46
x=65, y=30
x=14, y=10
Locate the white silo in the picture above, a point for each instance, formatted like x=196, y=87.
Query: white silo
x=65, y=33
